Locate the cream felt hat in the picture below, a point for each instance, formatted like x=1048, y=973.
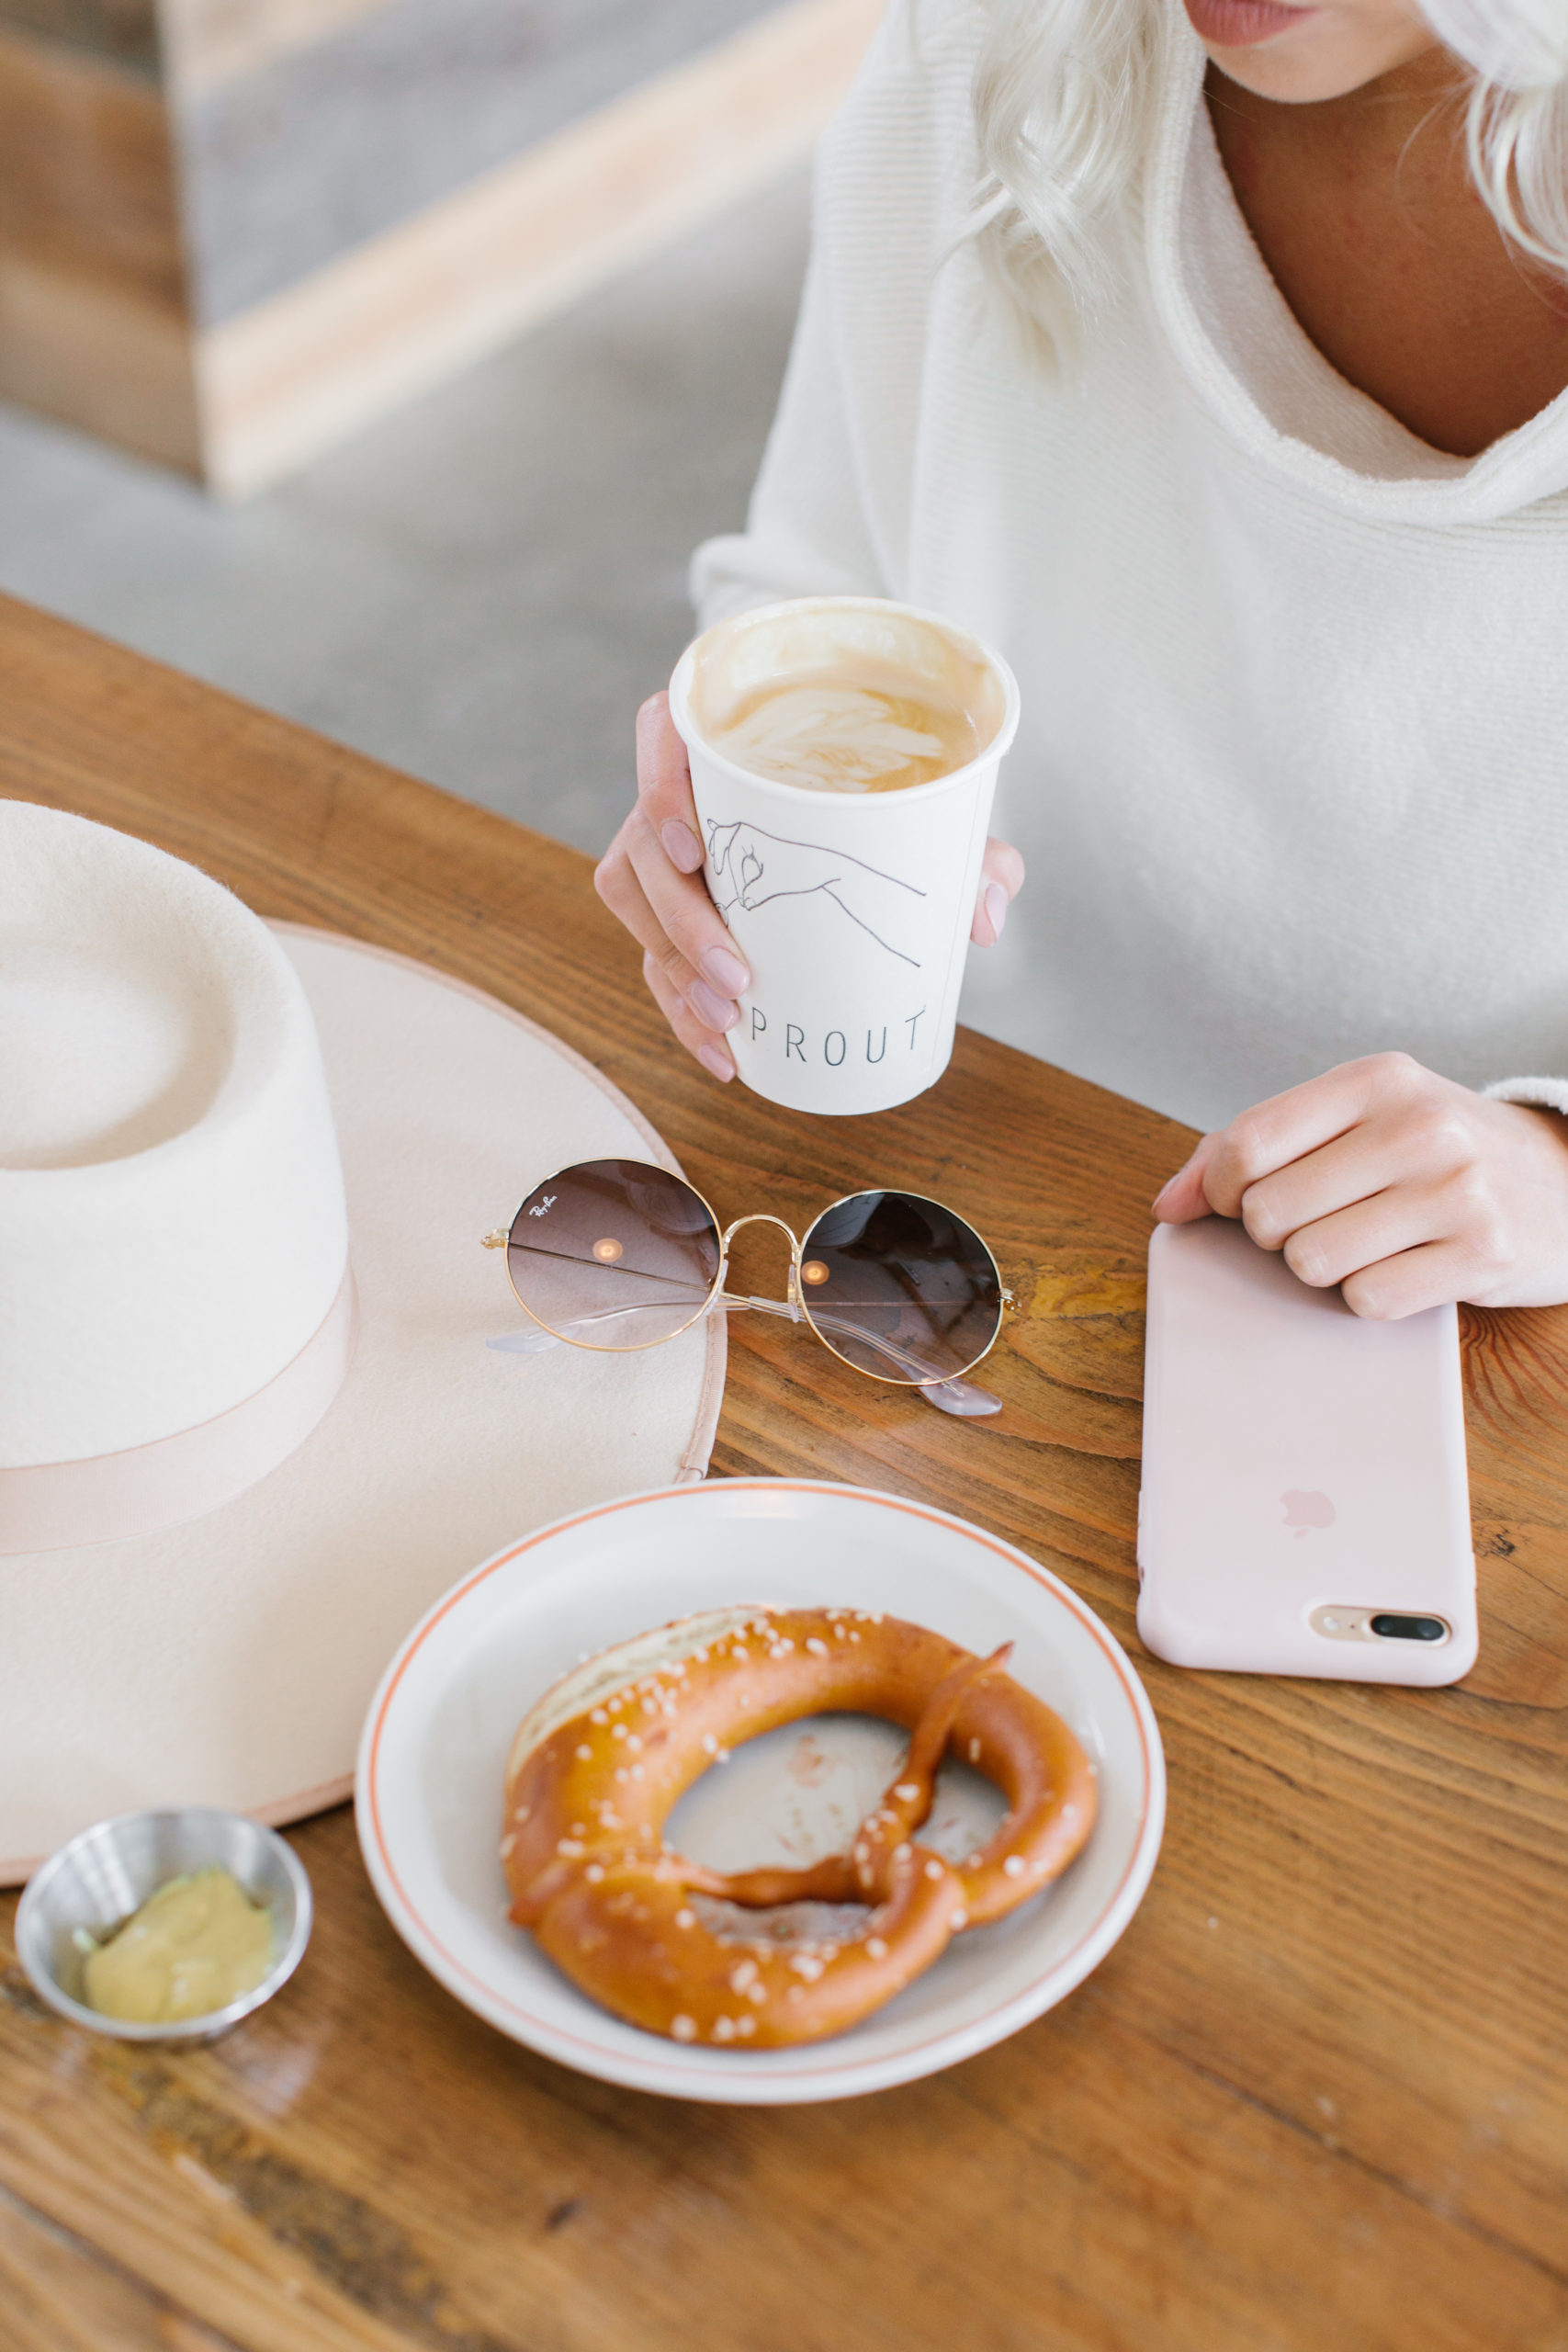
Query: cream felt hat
x=249, y=1424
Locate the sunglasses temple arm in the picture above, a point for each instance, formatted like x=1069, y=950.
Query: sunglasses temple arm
x=959, y=1397
x=536, y=1340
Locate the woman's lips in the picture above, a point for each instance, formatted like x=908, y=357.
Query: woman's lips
x=1239, y=24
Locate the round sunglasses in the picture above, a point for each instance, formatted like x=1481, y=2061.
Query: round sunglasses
x=620, y=1255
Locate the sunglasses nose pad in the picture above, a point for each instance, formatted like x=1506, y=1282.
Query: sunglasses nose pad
x=959, y=1397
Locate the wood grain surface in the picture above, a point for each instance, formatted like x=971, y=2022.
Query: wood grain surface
x=1316, y=2098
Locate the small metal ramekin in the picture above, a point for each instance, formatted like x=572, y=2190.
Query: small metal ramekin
x=103, y=1874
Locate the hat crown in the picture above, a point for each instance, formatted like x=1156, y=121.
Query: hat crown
x=172, y=1222
x=144, y=1057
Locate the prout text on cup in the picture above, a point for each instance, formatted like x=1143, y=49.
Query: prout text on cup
x=837, y=1046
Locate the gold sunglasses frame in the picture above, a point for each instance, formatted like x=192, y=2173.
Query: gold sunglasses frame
x=795, y=1304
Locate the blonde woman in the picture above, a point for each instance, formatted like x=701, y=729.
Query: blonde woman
x=1210, y=359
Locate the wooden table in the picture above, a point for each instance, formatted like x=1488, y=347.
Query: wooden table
x=1316, y=2098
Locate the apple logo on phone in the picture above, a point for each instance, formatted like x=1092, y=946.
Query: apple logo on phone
x=1304, y=1511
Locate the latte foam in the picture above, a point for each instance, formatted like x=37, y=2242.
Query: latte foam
x=862, y=727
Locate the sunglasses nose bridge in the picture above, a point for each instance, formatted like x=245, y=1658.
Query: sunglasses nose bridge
x=761, y=1217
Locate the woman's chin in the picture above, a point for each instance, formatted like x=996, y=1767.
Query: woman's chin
x=1303, y=56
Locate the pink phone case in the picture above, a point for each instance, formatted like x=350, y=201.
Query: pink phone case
x=1304, y=1500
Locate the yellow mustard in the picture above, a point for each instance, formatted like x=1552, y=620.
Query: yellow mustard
x=196, y=1945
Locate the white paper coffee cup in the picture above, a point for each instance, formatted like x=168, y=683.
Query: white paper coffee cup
x=852, y=910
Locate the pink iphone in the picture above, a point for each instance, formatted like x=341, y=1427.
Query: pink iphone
x=1304, y=1507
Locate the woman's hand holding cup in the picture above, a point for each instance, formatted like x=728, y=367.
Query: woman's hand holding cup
x=650, y=879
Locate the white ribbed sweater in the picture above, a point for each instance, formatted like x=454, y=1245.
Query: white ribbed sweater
x=1292, y=776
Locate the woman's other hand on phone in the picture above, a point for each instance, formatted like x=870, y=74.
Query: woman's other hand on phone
x=1403, y=1188
x=650, y=879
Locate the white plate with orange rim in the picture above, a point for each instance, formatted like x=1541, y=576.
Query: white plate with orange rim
x=428, y=1792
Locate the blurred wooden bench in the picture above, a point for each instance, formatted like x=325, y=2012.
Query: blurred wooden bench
x=234, y=232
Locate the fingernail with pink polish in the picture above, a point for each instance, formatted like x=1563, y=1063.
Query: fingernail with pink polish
x=726, y=973
x=681, y=846
x=720, y=1064
x=1169, y=1186
x=714, y=1011
x=996, y=907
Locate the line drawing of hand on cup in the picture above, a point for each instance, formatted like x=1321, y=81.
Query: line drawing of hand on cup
x=754, y=869
x=651, y=880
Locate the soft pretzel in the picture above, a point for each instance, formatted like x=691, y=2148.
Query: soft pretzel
x=597, y=1766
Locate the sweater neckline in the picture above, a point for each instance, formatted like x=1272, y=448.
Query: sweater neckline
x=1262, y=378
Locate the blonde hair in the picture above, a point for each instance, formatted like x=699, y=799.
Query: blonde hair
x=1517, y=122
x=1066, y=93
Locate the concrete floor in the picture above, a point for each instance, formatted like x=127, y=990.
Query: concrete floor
x=482, y=588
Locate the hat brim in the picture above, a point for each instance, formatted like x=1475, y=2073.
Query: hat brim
x=228, y=1661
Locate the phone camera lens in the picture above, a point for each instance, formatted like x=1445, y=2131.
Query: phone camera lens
x=1409, y=1629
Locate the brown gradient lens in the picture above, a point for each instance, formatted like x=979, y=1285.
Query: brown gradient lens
x=613, y=1254
x=900, y=1286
